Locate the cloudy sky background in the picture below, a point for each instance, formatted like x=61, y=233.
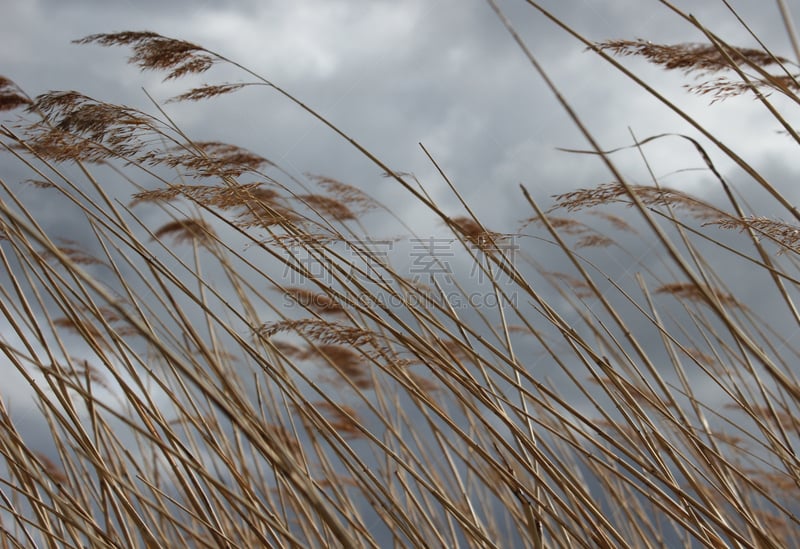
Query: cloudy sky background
x=393, y=74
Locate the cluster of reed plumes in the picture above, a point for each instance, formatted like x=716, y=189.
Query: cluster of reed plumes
x=255, y=371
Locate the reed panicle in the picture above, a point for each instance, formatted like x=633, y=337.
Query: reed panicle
x=786, y=235
x=703, y=58
x=353, y=198
x=11, y=96
x=186, y=230
x=152, y=51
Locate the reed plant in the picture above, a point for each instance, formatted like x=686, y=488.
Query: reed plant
x=235, y=356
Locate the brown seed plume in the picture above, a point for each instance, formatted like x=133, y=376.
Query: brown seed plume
x=11, y=96
x=704, y=58
x=151, y=51
x=186, y=230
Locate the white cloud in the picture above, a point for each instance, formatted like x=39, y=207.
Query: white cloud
x=313, y=39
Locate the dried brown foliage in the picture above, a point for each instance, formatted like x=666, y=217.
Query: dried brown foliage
x=346, y=361
x=616, y=221
x=424, y=383
x=39, y=184
x=355, y=199
x=53, y=471
x=786, y=235
x=565, y=225
x=722, y=88
x=151, y=51
x=610, y=193
x=594, y=241
x=694, y=292
x=186, y=230
x=456, y=348
x=206, y=92
x=208, y=159
x=473, y=233
x=256, y=206
x=588, y=237
x=74, y=112
x=77, y=127
x=304, y=240
x=11, y=97
x=701, y=357
x=703, y=58
x=321, y=331
x=328, y=207
x=75, y=254
x=81, y=327
x=288, y=349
